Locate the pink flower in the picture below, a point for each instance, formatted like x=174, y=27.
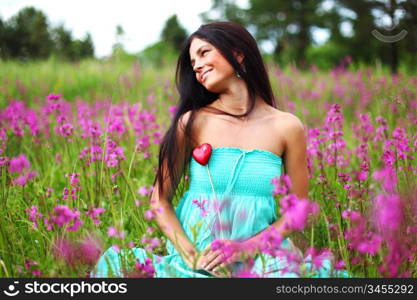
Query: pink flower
x=150, y=230
x=94, y=214
x=17, y=164
x=4, y=161
x=143, y=270
x=201, y=205
x=33, y=215
x=230, y=249
x=388, y=212
x=144, y=240
x=111, y=231
x=149, y=215
x=370, y=246
x=143, y=191
x=66, y=129
x=282, y=185
x=388, y=177
x=340, y=265
x=30, y=263
x=269, y=243
x=89, y=250
x=172, y=110
x=74, y=178
x=245, y=273
x=66, y=250
x=53, y=97
x=138, y=203
x=318, y=256
x=23, y=179
x=64, y=215
x=353, y=215
x=142, y=143
x=155, y=242
x=296, y=211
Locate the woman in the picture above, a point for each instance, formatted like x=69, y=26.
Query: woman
x=226, y=101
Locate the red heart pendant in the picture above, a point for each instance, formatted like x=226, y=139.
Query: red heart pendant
x=202, y=153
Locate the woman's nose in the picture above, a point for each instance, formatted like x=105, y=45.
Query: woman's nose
x=197, y=67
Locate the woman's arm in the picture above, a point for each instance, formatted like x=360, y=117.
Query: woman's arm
x=168, y=222
x=295, y=163
x=164, y=212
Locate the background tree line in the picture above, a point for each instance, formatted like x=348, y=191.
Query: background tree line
x=28, y=35
x=288, y=27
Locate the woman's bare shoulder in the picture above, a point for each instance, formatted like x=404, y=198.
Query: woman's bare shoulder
x=198, y=117
x=287, y=123
x=197, y=124
x=285, y=118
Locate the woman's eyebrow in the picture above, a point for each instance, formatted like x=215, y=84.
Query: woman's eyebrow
x=198, y=51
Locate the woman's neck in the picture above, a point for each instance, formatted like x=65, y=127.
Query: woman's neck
x=235, y=99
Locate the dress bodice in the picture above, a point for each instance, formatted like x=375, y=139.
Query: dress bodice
x=237, y=172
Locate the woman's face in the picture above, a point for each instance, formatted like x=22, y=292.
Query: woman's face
x=211, y=69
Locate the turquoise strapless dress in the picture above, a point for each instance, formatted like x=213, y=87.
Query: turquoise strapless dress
x=232, y=199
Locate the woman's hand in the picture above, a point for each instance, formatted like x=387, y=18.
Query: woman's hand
x=219, y=255
x=207, y=260
x=193, y=259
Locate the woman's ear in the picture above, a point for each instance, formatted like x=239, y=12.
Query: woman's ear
x=239, y=56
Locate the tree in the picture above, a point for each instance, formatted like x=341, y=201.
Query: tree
x=71, y=49
x=410, y=23
x=63, y=42
x=119, y=38
x=81, y=49
x=29, y=36
x=287, y=24
x=225, y=10
x=173, y=33
x=87, y=47
x=3, y=43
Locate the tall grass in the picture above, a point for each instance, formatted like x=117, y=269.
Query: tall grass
x=94, y=144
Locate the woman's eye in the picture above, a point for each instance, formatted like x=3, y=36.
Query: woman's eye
x=204, y=51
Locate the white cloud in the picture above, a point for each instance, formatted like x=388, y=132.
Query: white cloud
x=142, y=21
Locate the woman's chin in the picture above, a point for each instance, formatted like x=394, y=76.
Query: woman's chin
x=212, y=87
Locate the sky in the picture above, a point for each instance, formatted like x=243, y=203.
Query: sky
x=142, y=21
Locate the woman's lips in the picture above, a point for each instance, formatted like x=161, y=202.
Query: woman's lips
x=204, y=75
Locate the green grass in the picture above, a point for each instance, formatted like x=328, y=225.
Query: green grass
x=125, y=84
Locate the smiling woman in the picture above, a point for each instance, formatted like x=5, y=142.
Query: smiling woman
x=211, y=68
x=226, y=224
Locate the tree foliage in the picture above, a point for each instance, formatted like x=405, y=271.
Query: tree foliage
x=289, y=27
x=173, y=33
x=28, y=35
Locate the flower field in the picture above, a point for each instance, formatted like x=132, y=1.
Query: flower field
x=78, y=155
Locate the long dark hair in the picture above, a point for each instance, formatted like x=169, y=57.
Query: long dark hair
x=227, y=37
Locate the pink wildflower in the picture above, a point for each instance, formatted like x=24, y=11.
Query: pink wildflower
x=296, y=211
x=94, y=214
x=17, y=164
x=64, y=215
x=149, y=215
x=143, y=191
x=53, y=97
